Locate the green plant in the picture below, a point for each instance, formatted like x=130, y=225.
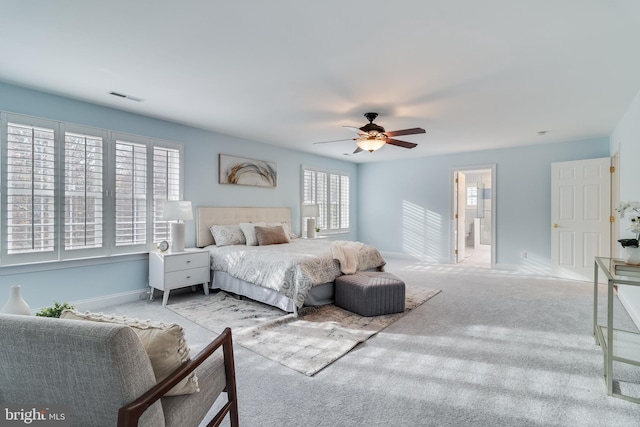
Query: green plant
x=54, y=311
x=317, y=229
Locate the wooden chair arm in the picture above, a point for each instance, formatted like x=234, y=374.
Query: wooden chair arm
x=129, y=415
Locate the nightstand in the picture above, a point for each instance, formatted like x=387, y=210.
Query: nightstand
x=173, y=270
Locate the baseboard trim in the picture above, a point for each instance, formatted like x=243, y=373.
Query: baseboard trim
x=93, y=304
x=406, y=256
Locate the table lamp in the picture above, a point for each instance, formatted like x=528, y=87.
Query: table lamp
x=178, y=211
x=311, y=212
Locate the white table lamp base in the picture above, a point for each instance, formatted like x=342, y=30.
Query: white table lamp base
x=177, y=237
x=311, y=228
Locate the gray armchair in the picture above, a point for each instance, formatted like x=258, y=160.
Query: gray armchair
x=102, y=374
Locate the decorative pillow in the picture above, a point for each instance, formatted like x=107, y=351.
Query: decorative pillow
x=271, y=235
x=164, y=342
x=248, y=229
x=286, y=227
x=225, y=235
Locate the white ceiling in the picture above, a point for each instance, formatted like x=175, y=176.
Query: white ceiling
x=475, y=74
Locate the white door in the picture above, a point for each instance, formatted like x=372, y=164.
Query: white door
x=461, y=205
x=580, y=214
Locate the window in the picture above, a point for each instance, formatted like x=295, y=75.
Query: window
x=330, y=191
x=83, y=185
x=131, y=193
x=29, y=190
x=69, y=191
x=166, y=186
x=472, y=196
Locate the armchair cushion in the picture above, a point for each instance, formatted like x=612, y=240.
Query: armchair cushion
x=164, y=342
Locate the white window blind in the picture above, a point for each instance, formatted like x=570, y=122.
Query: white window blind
x=322, y=199
x=68, y=191
x=330, y=191
x=83, y=185
x=166, y=186
x=30, y=189
x=130, y=193
x=343, y=205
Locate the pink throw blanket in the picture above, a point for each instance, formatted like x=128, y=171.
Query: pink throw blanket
x=346, y=252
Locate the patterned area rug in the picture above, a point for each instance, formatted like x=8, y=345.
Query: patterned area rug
x=316, y=338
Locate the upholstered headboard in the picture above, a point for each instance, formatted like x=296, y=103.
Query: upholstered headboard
x=206, y=216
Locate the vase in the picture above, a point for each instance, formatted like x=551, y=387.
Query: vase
x=632, y=255
x=16, y=304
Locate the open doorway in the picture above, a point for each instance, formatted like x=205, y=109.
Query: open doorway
x=474, y=214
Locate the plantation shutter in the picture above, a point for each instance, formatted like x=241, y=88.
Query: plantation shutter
x=309, y=187
x=330, y=191
x=166, y=186
x=130, y=194
x=83, y=191
x=334, y=200
x=69, y=191
x=344, y=202
x=30, y=191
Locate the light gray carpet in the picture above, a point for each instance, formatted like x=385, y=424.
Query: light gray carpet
x=493, y=349
x=308, y=343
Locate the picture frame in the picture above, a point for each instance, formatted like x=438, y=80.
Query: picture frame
x=236, y=170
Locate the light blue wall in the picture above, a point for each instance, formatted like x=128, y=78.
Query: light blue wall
x=625, y=140
x=123, y=275
x=406, y=206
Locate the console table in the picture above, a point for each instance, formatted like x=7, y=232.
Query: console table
x=617, y=345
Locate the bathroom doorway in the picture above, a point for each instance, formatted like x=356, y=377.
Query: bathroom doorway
x=474, y=216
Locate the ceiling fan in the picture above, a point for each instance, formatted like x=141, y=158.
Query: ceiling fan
x=372, y=136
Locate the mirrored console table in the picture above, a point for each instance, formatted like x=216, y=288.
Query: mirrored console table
x=617, y=345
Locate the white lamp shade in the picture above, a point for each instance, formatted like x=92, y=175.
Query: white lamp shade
x=370, y=144
x=176, y=210
x=310, y=211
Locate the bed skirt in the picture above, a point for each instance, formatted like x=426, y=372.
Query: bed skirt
x=318, y=295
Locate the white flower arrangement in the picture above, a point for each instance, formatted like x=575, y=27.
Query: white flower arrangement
x=633, y=210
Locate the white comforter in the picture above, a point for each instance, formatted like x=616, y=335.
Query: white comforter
x=291, y=268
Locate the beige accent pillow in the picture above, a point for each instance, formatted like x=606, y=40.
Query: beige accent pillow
x=249, y=231
x=271, y=235
x=286, y=227
x=164, y=342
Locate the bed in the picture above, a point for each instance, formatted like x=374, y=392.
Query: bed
x=287, y=276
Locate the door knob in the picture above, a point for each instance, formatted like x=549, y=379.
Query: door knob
x=555, y=226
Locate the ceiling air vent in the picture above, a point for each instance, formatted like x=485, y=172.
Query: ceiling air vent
x=122, y=95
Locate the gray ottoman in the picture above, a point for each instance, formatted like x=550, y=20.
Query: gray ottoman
x=370, y=293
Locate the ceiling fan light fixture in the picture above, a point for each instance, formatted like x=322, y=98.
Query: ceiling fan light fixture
x=372, y=137
x=370, y=144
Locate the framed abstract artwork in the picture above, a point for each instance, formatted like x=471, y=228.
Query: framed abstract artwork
x=243, y=171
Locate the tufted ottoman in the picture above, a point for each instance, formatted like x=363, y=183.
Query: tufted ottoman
x=369, y=293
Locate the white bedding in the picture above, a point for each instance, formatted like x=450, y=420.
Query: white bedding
x=290, y=269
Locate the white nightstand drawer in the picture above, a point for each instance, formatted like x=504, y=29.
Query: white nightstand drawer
x=186, y=277
x=186, y=261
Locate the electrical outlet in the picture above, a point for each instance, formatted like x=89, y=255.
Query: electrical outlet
x=523, y=254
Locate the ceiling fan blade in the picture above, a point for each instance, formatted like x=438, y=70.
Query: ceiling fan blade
x=357, y=150
x=412, y=131
x=335, y=140
x=403, y=144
